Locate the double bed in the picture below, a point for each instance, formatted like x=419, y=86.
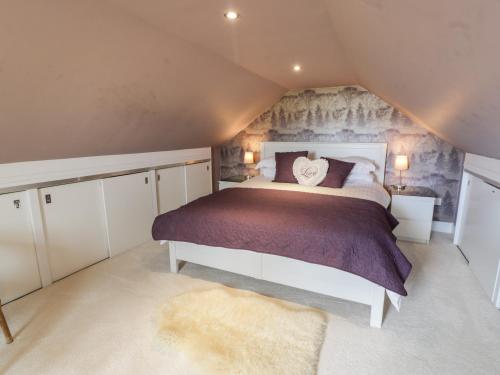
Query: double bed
x=337, y=242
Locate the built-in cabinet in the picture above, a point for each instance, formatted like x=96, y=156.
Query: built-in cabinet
x=171, y=186
x=74, y=226
x=198, y=181
x=19, y=273
x=128, y=202
x=49, y=233
x=480, y=236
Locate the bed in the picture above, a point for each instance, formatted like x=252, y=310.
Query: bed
x=229, y=231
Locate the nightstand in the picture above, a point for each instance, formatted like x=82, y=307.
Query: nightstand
x=414, y=209
x=232, y=181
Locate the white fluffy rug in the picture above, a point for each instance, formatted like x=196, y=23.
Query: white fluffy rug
x=229, y=331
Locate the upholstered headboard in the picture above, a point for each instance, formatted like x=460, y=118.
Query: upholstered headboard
x=375, y=152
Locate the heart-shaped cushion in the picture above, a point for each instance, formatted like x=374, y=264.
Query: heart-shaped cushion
x=310, y=172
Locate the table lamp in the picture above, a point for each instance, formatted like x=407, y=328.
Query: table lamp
x=400, y=164
x=248, y=159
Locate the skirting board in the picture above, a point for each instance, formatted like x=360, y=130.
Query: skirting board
x=443, y=227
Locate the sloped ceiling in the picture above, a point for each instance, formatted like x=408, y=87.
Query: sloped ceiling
x=439, y=61
x=101, y=77
x=80, y=78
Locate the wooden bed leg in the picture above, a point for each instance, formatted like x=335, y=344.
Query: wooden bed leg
x=377, y=307
x=173, y=260
x=5, y=327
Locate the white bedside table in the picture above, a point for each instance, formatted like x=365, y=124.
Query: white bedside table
x=231, y=182
x=414, y=208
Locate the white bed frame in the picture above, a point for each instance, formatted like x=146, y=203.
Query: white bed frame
x=282, y=270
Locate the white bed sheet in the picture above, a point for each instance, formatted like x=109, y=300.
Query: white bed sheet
x=374, y=192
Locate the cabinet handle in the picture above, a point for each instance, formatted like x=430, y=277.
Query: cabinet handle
x=17, y=203
x=48, y=199
x=208, y=168
x=158, y=177
x=146, y=180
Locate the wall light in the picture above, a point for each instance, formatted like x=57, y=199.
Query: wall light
x=297, y=68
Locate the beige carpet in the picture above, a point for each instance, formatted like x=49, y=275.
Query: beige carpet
x=102, y=320
x=229, y=331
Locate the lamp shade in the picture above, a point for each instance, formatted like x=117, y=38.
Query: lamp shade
x=401, y=162
x=248, y=159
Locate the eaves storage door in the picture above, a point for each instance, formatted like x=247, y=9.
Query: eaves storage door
x=171, y=188
x=19, y=273
x=129, y=210
x=481, y=233
x=74, y=226
x=198, y=180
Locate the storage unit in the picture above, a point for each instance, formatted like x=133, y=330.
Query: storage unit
x=74, y=226
x=128, y=202
x=198, y=180
x=480, y=234
x=414, y=209
x=19, y=272
x=77, y=212
x=171, y=187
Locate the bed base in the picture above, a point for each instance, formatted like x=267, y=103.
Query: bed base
x=286, y=271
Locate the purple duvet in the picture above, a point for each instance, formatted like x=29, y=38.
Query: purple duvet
x=351, y=234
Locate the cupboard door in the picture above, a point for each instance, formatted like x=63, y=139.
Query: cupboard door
x=198, y=180
x=19, y=273
x=481, y=238
x=171, y=188
x=128, y=202
x=74, y=226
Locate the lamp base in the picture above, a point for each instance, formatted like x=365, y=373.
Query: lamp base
x=399, y=187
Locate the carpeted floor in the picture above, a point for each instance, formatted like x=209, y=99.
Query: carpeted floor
x=102, y=320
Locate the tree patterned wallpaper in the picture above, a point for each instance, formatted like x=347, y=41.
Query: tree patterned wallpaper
x=352, y=114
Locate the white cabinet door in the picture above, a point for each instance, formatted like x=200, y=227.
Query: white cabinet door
x=171, y=188
x=198, y=180
x=129, y=211
x=74, y=225
x=19, y=273
x=481, y=235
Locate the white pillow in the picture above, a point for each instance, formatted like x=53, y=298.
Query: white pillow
x=361, y=179
x=363, y=165
x=268, y=172
x=266, y=163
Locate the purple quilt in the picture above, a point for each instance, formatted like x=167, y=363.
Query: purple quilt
x=351, y=234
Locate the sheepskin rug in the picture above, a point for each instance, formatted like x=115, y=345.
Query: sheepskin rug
x=229, y=331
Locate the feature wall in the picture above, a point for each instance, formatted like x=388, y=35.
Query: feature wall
x=352, y=114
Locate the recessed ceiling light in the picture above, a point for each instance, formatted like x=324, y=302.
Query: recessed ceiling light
x=231, y=15
x=297, y=68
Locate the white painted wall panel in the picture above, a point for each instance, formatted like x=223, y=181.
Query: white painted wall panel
x=171, y=187
x=198, y=180
x=19, y=273
x=129, y=210
x=74, y=226
x=15, y=174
